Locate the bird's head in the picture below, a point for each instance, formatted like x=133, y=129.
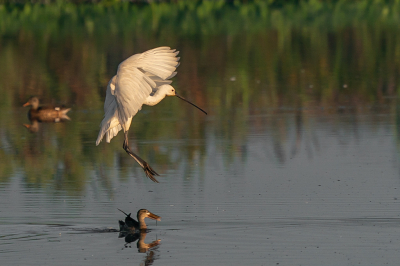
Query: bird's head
x=34, y=101
x=169, y=90
x=146, y=214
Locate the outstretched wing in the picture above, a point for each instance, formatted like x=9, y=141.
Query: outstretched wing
x=136, y=78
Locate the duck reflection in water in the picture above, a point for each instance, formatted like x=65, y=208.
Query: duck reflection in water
x=141, y=245
x=133, y=230
x=47, y=114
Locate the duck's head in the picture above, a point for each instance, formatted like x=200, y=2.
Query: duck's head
x=146, y=214
x=34, y=101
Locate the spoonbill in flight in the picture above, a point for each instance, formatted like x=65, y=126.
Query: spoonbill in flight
x=141, y=79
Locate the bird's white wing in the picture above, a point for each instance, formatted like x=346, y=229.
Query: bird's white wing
x=136, y=78
x=110, y=125
x=133, y=86
x=158, y=81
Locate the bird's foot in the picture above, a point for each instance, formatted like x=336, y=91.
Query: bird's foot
x=150, y=172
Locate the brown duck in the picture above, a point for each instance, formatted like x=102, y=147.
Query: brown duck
x=131, y=225
x=46, y=113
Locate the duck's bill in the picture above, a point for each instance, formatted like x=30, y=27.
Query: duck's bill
x=26, y=104
x=154, y=217
x=180, y=97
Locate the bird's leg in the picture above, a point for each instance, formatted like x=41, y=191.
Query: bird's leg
x=146, y=167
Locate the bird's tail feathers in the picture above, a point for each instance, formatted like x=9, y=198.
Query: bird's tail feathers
x=107, y=131
x=64, y=116
x=65, y=111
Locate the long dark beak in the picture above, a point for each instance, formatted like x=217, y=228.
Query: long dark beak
x=180, y=97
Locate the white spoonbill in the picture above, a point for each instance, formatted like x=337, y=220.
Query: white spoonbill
x=141, y=79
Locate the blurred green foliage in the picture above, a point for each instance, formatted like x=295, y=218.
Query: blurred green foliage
x=240, y=59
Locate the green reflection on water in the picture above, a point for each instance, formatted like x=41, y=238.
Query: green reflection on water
x=237, y=61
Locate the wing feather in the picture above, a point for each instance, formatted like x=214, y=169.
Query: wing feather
x=110, y=109
x=149, y=80
x=157, y=80
x=137, y=77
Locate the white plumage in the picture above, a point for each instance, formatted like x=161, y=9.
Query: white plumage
x=136, y=79
x=141, y=79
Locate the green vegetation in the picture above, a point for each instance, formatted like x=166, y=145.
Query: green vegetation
x=193, y=17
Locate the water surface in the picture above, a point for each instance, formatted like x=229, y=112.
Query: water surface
x=297, y=162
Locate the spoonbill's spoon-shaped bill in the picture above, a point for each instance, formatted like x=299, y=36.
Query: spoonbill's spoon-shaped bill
x=141, y=79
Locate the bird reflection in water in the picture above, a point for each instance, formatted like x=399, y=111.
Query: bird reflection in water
x=133, y=230
x=141, y=245
x=46, y=114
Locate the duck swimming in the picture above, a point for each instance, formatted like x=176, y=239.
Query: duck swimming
x=130, y=224
x=46, y=113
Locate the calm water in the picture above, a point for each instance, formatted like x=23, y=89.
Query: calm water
x=297, y=162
